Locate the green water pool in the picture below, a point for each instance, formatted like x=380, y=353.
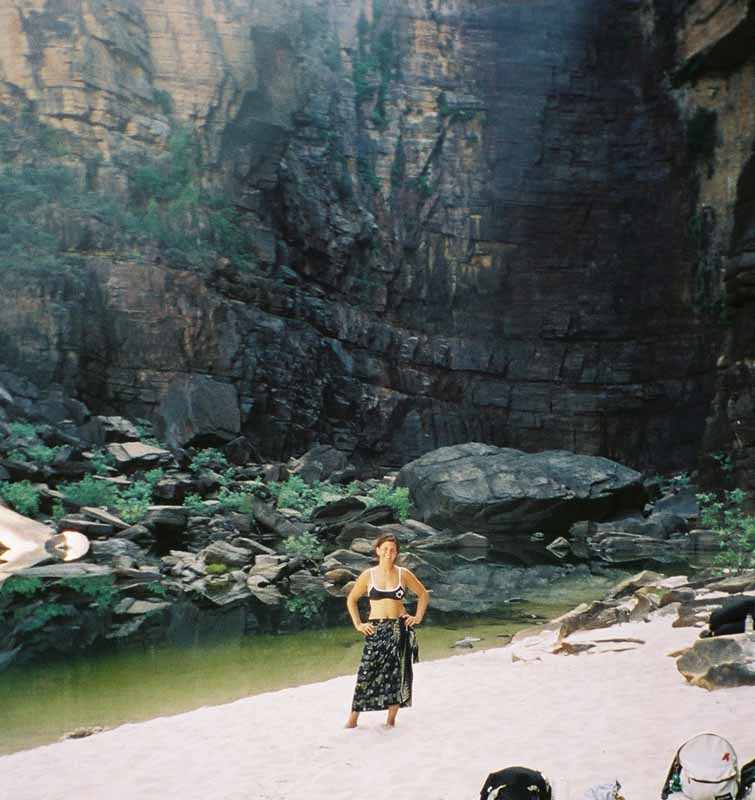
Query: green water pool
x=41, y=703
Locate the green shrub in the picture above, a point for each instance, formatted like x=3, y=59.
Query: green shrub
x=134, y=501
x=19, y=584
x=295, y=493
x=216, y=569
x=47, y=204
x=735, y=528
x=680, y=482
x=36, y=453
x=397, y=499
x=209, y=458
x=22, y=496
x=30, y=621
x=235, y=501
x=157, y=589
x=196, y=505
x=423, y=186
x=23, y=430
x=101, y=460
x=164, y=101
x=91, y=492
x=724, y=462
x=100, y=588
x=307, y=606
x=305, y=544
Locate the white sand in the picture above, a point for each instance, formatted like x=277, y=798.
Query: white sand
x=587, y=718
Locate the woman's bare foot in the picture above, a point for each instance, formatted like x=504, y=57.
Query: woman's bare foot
x=390, y=721
x=351, y=722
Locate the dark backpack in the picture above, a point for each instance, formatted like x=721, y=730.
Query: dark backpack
x=730, y=618
x=747, y=781
x=516, y=783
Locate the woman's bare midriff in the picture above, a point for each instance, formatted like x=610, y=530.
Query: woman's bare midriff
x=386, y=609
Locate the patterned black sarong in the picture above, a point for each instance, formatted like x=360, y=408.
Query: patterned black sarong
x=385, y=672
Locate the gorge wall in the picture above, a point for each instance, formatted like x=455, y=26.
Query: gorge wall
x=504, y=223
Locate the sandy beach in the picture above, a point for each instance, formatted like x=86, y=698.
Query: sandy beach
x=581, y=719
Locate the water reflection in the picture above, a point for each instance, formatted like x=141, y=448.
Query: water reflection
x=129, y=686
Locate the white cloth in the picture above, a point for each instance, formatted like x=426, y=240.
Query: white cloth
x=604, y=791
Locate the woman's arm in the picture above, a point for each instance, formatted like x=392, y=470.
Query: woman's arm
x=414, y=584
x=359, y=590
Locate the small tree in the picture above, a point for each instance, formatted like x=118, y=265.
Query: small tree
x=735, y=528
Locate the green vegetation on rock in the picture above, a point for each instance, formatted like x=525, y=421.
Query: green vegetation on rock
x=397, y=499
x=22, y=497
x=209, y=458
x=297, y=494
x=100, y=588
x=53, y=213
x=19, y=584
x=725, y=514
x=305, y=544
x=131, y=503
x=306, y=606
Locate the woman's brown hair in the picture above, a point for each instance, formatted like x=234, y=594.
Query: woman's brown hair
x=388, y=537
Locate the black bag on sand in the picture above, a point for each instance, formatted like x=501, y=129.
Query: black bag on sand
x=730, y=618
x=516, y=783
x=747, y=781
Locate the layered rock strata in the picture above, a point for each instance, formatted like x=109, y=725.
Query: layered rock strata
x=470, y=222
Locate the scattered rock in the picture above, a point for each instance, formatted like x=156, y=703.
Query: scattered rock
x=251, y=544
x=83, y=525
x=340, y=576
x=118, y=429
x=734, y=584
x=559, y=547
x=225, y=553
x=720, y=662
x=572, y=648
x=133, y=455
x=104, y=516
x=264, y=591
x=319, y=463
x=633, y=583
x=81, y=733
x=170, y=519
x=472, y=541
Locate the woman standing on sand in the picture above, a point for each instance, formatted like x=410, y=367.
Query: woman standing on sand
x=384, y=680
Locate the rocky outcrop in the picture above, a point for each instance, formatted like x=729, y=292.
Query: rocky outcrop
x=463, y=222
x=720, y=662
x=501, y=492
x=197, y=410
x=714, y=75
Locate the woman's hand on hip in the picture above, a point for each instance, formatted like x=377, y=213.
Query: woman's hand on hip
x=411, y=621
x=367, y=628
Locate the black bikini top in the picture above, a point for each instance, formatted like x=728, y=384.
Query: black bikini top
x=386, y=594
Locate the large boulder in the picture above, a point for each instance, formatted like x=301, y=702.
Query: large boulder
x=720, y=661
x=198, y=410
x=319, y=463
x=500, y=491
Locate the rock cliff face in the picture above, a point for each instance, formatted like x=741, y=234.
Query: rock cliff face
x=715, y=75
x=471, y=222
